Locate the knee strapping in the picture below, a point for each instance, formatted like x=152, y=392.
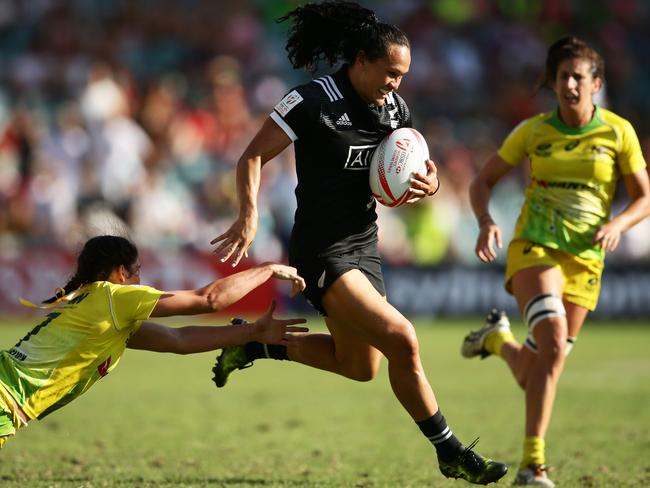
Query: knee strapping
x=539, y=308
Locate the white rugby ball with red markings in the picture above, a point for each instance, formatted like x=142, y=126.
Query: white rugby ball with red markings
x=400, y=154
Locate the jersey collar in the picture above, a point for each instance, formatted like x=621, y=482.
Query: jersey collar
x=555, y=121
x=345, y=85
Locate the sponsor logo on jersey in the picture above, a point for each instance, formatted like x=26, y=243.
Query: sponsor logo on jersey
x=572, y=145
x=344, y=120
x=18, y=354
x=290, y=100
x=359, y=157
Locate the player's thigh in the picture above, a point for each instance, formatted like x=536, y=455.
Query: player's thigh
x=355, y=355
x=354, y=304
x=530, y=282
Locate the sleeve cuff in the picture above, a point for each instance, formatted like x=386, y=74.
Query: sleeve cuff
x=284, y=126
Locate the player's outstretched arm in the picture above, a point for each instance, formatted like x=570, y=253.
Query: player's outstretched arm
x=201, y=338
x=225, y=291
x=268, y=142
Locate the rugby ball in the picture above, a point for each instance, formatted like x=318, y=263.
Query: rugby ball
x=400, y=154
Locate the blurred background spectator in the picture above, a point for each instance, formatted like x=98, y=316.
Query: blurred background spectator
x=138, y=112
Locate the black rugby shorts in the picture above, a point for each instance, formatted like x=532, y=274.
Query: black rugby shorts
x=319, y=272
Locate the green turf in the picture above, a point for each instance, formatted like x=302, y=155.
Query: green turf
x=158, y=421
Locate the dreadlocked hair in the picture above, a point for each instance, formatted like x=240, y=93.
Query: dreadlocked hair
x=99, y=256
x=335, y=30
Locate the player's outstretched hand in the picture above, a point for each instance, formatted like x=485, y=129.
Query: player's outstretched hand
x=282, y=272
x=269, y=330
x=424, y=185
x=234, y=243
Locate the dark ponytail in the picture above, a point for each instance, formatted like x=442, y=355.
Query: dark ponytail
x=335, y=30
x=99, y=256
x=570, y=47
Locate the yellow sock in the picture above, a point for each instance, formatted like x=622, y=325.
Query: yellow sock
x=495, y=341
x=533, y=451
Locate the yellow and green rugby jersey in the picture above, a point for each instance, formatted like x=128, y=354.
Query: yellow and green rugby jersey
x=574, y=175
x=76, y=344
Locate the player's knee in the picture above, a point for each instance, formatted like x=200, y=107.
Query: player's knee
x=547, y=311
x=403, y=344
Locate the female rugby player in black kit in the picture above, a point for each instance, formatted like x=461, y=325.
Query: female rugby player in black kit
x=335, y=122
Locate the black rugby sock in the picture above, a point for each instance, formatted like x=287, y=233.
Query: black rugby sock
x=440, y=435
x=257, y=350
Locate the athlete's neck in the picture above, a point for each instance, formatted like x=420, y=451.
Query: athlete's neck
x=572, y=118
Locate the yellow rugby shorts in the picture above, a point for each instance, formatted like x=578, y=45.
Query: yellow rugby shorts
x=581, y=276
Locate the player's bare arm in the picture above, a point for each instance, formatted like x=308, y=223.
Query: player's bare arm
x=479, y=194
x=268, y=142
x=225, y=291
x=197, y=338
x=638, y=188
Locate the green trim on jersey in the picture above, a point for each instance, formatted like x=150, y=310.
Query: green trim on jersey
x=595, y=122
x=574, y=172
x=75, y=345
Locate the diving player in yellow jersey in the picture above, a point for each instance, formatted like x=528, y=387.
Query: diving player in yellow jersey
x=555, y=260
x=102, y=310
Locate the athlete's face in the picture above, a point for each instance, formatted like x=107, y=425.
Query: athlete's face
x=376, y=79
x=575, y=85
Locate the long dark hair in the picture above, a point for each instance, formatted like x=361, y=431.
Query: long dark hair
x=99, y=256
x=335, y=30
x=570, y=47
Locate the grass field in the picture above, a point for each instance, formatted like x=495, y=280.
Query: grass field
x=157, y=421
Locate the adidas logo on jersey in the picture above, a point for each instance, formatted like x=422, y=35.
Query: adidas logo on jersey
x=344, y=120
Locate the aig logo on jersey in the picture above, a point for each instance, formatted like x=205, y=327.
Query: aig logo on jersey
x=290, y=100
x=359, y=157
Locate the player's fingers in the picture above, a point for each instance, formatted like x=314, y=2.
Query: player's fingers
x=481, y=255
x=219, y=238
x=598, y=236
x=431, y=167
x=294, y=321
x=293, y=328
x=238, y=254
x=497, y=238
x=223, y=243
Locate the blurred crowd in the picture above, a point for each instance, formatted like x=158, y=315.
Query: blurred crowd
x=118, y=112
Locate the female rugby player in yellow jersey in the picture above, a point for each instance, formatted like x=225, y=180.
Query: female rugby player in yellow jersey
x=555, y=260
x=102, y=310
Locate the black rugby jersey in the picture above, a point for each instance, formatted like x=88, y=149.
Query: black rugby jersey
x=334, y=133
